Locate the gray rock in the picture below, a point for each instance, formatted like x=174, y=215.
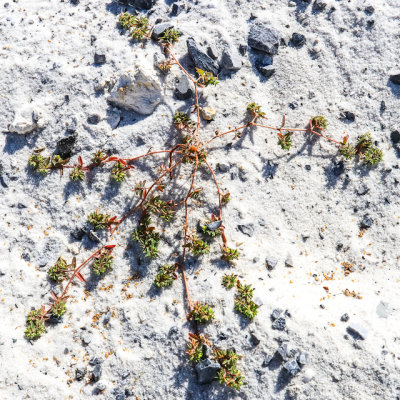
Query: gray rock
x=254, y=340
x=213, y=226
x=26, y=121
x=114, y=118
x=383, y=310
x=286, y=351
x=183, y=88
x=177, y=8
x=80, y=373
x=119, y=394
x=200, y=58
x=264, y=37
x=247, y=229
x=292, y=367
x=319, y=5
x=65, y=146
x=289, y=261
x=93, y=119
x=266, y=70
x=395, y=79
x=207, y=370
x=231, y=59
x=348, y=116
x=366, y=222
x=136, y=91
x=101, y=386
x=267, y=359
x=271, y=262
x=223, y=167
x=358, y=329
x=279, y=324
x=99, y=58
x=96, y=373
x=213, y=52
x=395, y=137
x=95, y=361
x=345, y=317
x=298, y=40
x=276, y=314
x=159, y=30
x=302, y=358
x=86, y=339
x=140, y=4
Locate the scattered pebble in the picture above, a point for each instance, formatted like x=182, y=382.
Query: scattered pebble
x=80, y=373
x=159, y=30
x=262, y=36
x=395, y=79
x=266, y=70
x=308, y=375
x=99, y=58
x=65, y=146
x=223, y=167
x=289, y=261
x=208, y=113
x=395, y=137
x=366, y=222
x=358, y=329
x=86, y=339
x=246, y=229
x=320, y=5
x=276, y=314
x=298, y=40
x=271, y=262
x=213, y=226
x=292, y=367
x=183, y=88
x=96, y=373
x=200, y=57
x=345, y=317
x=93, y=119
x=348, y=116
x=338, y=168
x=231, y=59
x=254, y=340
x=279, y=324
x=302, y=358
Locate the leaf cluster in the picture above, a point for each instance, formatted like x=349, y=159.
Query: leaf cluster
x=59, y=308
x=170, y=36
x=201, y=313
x=77, y=173
x=98, y=157
x=35, y=324
x=58, y=272
x=147, y=237
x=206, y=78
x=255, y=110
x=197, y=246
x=229, y=281
x=229, y=254
x=164, y=209
x=285, y=141
x=229, y=374
x=195, y=348
x=100, y=221
x=136, y=25
x=182, y=121
x=244, y=301
x=102, y=262
x=166, y=276
x=208, y=231
x=364, y=149
x=319, y=122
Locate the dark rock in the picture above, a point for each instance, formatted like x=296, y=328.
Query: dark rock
x=367, y=222
x=99, y=58
x=338, y=168
x=383, y=107
x=266, y=70
x=92, y=39
x=176, y=9
x=71, y=126
x=80, y=373
x=119, y=394
x=75, y=2
x=78, y=233
x=200, y=58
x=395, y=137
x=302, y=358
x=267, y=359
x=276, y=314
x=271, y=262
x=284, y=351
x=55, y=320
x=213, y=226
x=213, y=52
x=222, y=167
x=143, y=4
x=395, y=79
x=345, y=317
x=207, y=370
x=243, y=49
x=128, y=392
x=349, y=116
x=292, y=367
x=254, y=340
x=357, y=331
x=279, y=324
x=159, y=30
x=262, y=36
x=65, y=146
x=298, y=40
x=319, y=5
x=95, y=361
x=96, y=373
x=93, y=119
x=247, y=229
x=183, y=88
x=100, y=387
x=369, y=10
x=307, y=167
x=231, y=59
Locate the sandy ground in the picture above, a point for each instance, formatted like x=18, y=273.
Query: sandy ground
x=295, y=202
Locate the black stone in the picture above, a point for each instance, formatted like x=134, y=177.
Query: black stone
x=338, y=168
x=99, y=58
x=65, y=146
x=395, y=137
x=307, y=167
x=319, y=5
x=369, y=10
x=80, y=373
x=183, y=89
x=207, y=370
x=345, y=317
x=247, y=229
x=95, y=361
x=298, y=40
x=96, y=374
x=200, y=58
x=176, y=9
x=264, y=37
x=159, y=30
x=395, y=79
x=243, y=49
x=93, y=119
x=74, y=1
x=254, y=340
x=266, y=70
x=279, y=324
x=349, y=116
x=367, y=222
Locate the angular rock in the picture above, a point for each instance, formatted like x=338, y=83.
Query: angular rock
x=96, y=374
x=95, y=361
x=183, y=88
x=285, y=351
x=338, y=168
x=319, y=5
x=302, y=358
x=298, y=40
x=349, y=116
x=213, y=226
x=247, y=229
x=262, y=36
x=213, y=52
x=395, y=79
x=366, y=222
x=271, y=262
x=395, y=137
x=176, y=9
x=289, y=261
x=208, y=113
x=140, y=4
x=222, y=167
x=200, y=58
x=292, y=367
x=26, y=121
x=345, y=317
x=136, y=91
x=358, y=329
x=231, y=59
x=266, y=70
x=80, y=373
x=99, y=58
x=254, y=340
x=276, y=314
x=93, y=119
x=207, y=370
x=279, y=324
x=159, y=30
x=65, y=146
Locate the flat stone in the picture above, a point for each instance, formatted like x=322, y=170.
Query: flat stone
x=159, y=30
x=207, y=370
x=246, y=229
x=292, y=367
x=93, y=119
x=213, y=52
x=213, y=226
x=262, y=36
x=271, y=262
x=231, y=59
x=26, y=121
x=276, y=314
x=136, y=91
x=289, y=261
x=80, y=373
x=183, y=88
x=302, y=358
x=99, y=58
x=266, y=70
x=96, y=373
x=298, y=40
x=354, y=327
x=65, y=146
x=345, y=317
x=395, y=79
x=200, y=58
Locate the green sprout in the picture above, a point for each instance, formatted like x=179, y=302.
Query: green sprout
x=364, y=149
x=212, y=233
x=182, y=121
x=195, y=348
x=244, y=301
x=58, y=272
x=229, y=254
x=138, y=26
x=166, y=276
x=201, y=313
x=319, y=122
x=285, y=141
x=348, y=151
x=57, y=161
x=77, y=173
x=100, y=221
x=35, y=324
x=147, y=237
x=160, y=207
x=226, y=198
x=39, y=163
x=170, y=36
x=229, y=281
x=102, y=262
x=118, y=171
x=206, y=78
x=197, y=246
x=126, y=20
x=59, y=308
x=255, y=110
x=98, y=157
x=372, y=156
x=229, y=374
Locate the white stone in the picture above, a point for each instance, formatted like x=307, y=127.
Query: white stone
x=208, y=113
x=136, y=91
x=26, y=121
x=308, y=375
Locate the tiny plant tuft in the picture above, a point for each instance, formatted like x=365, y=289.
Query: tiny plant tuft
x=201, y=313
x=166, y=276
x=229, y=281
x=35, y=324
x=58, y=272
x=102, y=262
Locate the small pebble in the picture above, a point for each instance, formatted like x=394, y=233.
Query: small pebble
x=271, y=262
x=308, y=375
x=279, y=324
x=208, y=113
x=345, y=317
